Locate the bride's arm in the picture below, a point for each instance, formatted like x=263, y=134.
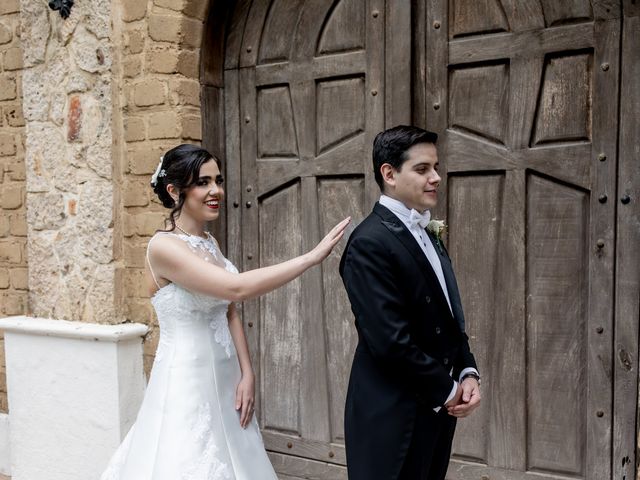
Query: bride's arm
x=173, y=260
x=245, y=391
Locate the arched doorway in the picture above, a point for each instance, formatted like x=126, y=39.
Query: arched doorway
x=524, y=98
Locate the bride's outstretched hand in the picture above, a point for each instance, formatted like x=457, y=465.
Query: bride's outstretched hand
x=323, y=249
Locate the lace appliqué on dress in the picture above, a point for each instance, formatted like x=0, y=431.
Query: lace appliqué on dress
x=207, y=466
x=222, y=335
x=207, y=246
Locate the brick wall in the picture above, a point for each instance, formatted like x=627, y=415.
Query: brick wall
x=161, y=108
x=13, y=227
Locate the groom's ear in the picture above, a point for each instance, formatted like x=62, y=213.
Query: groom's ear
x=388, y=174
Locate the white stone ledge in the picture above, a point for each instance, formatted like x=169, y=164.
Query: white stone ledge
x=74, y=389
x=78, y=330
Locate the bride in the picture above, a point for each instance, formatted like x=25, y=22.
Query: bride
x=196, y=420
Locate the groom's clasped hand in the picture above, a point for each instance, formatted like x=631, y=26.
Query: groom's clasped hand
x=466, y=400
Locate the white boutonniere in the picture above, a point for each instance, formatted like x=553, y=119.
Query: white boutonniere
x=437, y=228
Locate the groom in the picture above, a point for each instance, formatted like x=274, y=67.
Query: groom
x=413, y=373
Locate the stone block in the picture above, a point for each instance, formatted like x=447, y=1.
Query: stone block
x=134, y=280
x=7, y=145
x=79, y=81
x=10, y=251
x=133, y=10
x=14, y=116
x=164, y=125
x=16, y=171
x=128, y=225
x=135, y=194
x=140, y=312
x=197, y=9
x=134, y=255
x=11, y=197
x=176, y=5
x=18, y=224
x=134, y=41
x=131, y=67
x=35, y=32
x=192, y=127
x=8, y=89
x=134, y=129
x=9, y=6
x=173, y=60
x=162, y=60
x=166, y=28
x=12, y=304
x=74, y=119
x=36, y=106
x=4, y=278
x=5, y=33
x=144, y=160
x=149, y=92
x=46, y=211
x=13, y=59
x=5, y=225
x=19, y=278
x=188, y=63
x=192, y=32
x=186, y=92
x=88, y=52
x=149, y=222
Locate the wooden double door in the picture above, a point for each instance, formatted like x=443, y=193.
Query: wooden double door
x=524, y=97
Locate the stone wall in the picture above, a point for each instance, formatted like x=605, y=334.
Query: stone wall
x=13, y=225
x=160, y=98
x=68, y=113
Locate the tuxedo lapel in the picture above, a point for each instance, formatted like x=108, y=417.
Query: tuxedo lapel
x=450, y=280
x=402, y=233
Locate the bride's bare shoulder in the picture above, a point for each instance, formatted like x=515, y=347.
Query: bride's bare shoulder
x=166, y=244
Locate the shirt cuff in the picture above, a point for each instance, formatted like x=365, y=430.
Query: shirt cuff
x=466, y=371
x=451, y=395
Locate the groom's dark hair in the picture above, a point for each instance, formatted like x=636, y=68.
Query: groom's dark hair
x=391, y=147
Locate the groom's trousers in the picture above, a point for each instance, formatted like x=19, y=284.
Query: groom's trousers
x=430, y=448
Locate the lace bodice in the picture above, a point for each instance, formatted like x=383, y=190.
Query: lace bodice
x=177, y=306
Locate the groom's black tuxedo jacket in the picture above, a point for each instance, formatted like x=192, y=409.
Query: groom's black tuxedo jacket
x=408, y=342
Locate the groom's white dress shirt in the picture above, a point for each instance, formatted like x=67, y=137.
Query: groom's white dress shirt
x=409, y=217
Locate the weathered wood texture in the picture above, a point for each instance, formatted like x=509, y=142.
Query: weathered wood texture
x=524, y=96
x=627, y=298
x=304, y=96
x=297, y=467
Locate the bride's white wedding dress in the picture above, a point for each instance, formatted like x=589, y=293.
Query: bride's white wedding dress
x=187, y=427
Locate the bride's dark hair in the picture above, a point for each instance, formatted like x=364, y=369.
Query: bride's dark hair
x=180, y=167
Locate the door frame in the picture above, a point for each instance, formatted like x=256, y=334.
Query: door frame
x=627, y=277
x=215, y=101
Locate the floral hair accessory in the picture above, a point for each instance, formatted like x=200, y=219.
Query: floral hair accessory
x=160, y=172
x=437, y=228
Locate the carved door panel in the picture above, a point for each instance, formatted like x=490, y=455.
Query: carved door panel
x=523, y=94
x=305, y=96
